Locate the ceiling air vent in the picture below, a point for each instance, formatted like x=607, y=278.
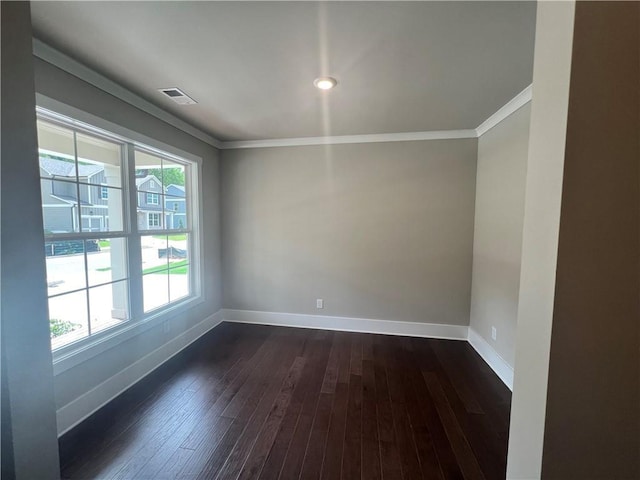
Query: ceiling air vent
x=177, y=96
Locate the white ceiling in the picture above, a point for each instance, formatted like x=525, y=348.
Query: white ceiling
x=401, y=66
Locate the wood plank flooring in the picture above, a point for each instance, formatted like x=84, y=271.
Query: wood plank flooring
x=259, y=402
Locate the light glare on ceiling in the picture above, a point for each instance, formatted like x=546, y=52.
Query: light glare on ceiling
x=325, y=83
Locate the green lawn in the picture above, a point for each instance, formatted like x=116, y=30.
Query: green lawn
x=104, y=243
x=180, y=268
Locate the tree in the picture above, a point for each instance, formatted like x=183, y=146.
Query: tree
x=172, y=176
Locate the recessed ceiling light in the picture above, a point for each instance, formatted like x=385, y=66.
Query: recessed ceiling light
x=325, y=83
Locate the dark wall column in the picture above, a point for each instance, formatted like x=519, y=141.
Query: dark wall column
x=27, y=383
x=592, y=427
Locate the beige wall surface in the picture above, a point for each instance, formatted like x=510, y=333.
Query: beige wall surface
x=497, y=242
x=381, y=230
x=592, y=427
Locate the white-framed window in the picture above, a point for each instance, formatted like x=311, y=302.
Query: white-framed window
x=165, y=249
x=154, y=220
x=105, y=274
x=152, y=198
x=152, y=184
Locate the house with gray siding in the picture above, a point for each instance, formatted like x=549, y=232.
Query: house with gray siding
x=175, y=207
x=150, y=199
x=61, y=196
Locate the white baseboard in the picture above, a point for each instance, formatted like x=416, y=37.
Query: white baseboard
x=347, y=324
x=88, y=403
x=493, y=358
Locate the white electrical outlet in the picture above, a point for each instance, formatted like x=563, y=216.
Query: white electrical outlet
x=494, y=333
x=319, y=303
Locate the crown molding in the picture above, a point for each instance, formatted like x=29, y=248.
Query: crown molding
x=77, y=69
x=510, y=107
x=344, y=139
x=504, y=112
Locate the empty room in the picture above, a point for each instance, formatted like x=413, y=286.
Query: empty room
x=320, y=240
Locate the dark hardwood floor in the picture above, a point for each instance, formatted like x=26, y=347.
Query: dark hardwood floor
x=259, y=402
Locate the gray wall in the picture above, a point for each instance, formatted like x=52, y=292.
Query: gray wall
x=61, y=86
x=592, y=427
x=27, y=374
x=497, y=241
x=381, y=230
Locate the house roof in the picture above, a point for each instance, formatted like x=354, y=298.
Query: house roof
x=180, y=190
x=64, y=168
x=71, y=200
x=141, y=180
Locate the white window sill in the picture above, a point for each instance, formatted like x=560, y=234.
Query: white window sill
x=76, y=353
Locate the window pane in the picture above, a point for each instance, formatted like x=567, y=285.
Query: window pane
x=155, y=278
x=153, y=253
x=175, y=195
x=83, y=193
x=65, y=266
x=173, y=173
x=148, y=172
x=149, y=211
x=99, y=160
x=109, y=263
x=179, y=281
x=68, y=318
x=150, y=192
x=99, y=214
x=109, y=305
x=55, y=144
x=147, y=161
x=175, y=212
x=150, y=219
x=178, y=249
x=152, y=198
x=62, y=168
x=155, y=289
x=59, y=206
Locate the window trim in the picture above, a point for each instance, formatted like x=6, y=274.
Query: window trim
x=155, y=214
x=70, y=355
x=150, y=196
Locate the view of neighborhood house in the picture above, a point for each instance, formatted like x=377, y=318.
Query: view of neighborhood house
x=158, y=206
x=83, y=204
